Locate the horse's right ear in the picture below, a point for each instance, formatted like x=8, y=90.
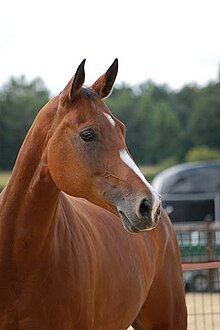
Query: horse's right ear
x=72, y=89
x=78, y=81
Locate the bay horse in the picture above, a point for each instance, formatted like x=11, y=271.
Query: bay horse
x=84, y=242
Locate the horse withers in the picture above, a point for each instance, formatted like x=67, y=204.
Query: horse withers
x=84, y=242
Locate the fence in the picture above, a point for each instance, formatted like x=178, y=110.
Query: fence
x=200, y=250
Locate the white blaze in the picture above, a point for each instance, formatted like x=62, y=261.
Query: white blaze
x=110, y=119
x=130, y=163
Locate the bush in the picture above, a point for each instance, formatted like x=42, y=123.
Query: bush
x=202, y=154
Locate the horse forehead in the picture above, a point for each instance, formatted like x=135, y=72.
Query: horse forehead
x=94, y=108
x=90, y=101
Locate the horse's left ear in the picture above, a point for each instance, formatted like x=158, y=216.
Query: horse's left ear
x=104, y=84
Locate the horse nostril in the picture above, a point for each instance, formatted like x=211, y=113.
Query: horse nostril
x=158, y=212
x=145, y=208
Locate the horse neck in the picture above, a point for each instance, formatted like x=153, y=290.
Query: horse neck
x=30, y=199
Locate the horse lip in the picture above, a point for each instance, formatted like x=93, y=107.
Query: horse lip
x=130, y=227
x=127, y=223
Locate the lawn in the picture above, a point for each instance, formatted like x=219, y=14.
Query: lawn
x=4, y=177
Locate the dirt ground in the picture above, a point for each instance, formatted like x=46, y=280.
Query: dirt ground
x=203, y=311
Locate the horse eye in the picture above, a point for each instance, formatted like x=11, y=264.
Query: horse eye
x=87, y=135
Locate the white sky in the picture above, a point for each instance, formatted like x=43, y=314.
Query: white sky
x=172, y=41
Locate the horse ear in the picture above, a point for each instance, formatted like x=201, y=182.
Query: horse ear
x=78, y=81
x=72, y=89
x=104, y=84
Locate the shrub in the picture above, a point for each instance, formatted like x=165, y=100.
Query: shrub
x=202, y=154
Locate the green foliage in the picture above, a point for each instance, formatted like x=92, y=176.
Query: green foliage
x=165, y=135
x=4, y=178
x=204, y=124
x=202, y=154
x=19, y=103
x=150, y=121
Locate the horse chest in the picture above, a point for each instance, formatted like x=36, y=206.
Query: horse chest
x=53, y=304
x=41, y=303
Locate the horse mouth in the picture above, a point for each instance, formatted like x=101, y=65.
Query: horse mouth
x=127, y=223
x=131, y=228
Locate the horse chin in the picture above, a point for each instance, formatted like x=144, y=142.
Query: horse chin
x=130, y=227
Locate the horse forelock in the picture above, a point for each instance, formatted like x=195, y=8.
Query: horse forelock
x=88, y=93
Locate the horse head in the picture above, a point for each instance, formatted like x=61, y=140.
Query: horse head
x=87, y=156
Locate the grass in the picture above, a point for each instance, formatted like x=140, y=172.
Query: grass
x=4, y=178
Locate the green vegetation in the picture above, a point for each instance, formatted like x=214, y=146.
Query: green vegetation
x=19, y=103
x=4, y=178
x=202, y=153
x=164, y=127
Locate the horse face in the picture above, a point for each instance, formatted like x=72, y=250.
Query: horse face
x=87, y=155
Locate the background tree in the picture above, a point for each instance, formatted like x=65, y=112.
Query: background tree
x=19, y=103
x=166, y=137
x=183, y=104
x=204, y=122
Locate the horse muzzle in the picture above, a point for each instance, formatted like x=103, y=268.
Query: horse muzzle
x=139, y=217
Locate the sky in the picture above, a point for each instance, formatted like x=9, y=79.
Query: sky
x=174, y=41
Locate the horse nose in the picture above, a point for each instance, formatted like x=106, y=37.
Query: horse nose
x=148, y=212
